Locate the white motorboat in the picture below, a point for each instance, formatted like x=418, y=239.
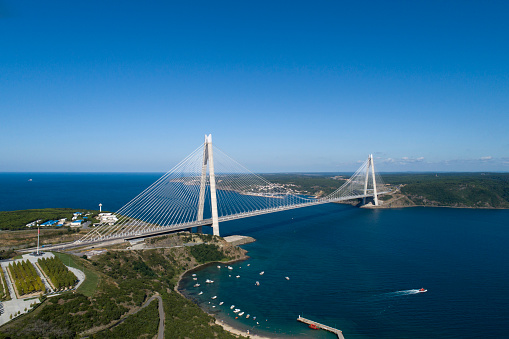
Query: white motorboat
x=222, y=302
x=237, y=276
x=200, y=293
x=232, y=307
x=214, y=297
x=241, y=314
x=208, y=281
x=262, y=272
x=257, y=283
x=196, y=285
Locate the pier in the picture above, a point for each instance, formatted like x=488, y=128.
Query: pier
x=337, y=332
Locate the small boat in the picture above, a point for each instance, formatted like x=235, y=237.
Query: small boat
x=214, y=297
x=196, y=285
x=422, y=290
x=29, y=179
x=262, y=272
x=254, y=318
x=237, y=310
x=194, y=274
x=248, y=264
x=218, y=266
x=241, y=314
x=287, y=278
x=257, y=323
x=247, y=316
x=237, y=276
x=233, y=306
x=214, y=306
x=200, y=293
x=195, y=278
x=230, y=275
x=313, y=327
x=230, y=268
x=222, y=302
x=208, y=281
x=257, y=283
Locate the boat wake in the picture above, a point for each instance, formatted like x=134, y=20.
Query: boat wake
x=402, y=293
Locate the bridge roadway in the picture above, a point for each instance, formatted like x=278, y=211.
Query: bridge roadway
x=206, y=222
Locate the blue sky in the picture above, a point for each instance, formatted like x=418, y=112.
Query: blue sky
x=281, y=85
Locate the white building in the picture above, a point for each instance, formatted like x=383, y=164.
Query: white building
x=76, y=223
x=107, y=218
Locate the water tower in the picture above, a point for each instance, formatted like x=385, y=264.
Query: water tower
x=100, y=207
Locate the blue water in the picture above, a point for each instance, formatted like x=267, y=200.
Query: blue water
x=72, y=190
x=358, y=270
x=350, y=268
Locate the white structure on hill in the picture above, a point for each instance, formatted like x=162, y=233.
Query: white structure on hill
x=107, y=218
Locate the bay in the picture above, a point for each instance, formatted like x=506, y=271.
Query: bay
x=358, y=270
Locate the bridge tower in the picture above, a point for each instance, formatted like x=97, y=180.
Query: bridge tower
x=208, y=159
x=371, y=165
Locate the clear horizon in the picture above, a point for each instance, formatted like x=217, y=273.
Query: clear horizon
x=286, y=172
x=282, y=87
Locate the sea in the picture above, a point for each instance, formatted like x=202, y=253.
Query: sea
x=357, y=270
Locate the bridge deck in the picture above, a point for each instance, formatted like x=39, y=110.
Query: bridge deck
x=160, y=230
x=337, y=332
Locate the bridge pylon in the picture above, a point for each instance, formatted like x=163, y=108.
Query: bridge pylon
x=370, y=168
x=208, y=160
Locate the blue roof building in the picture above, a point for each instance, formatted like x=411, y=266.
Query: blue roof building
x=49, y=223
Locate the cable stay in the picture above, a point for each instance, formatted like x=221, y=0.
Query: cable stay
x=209, y=187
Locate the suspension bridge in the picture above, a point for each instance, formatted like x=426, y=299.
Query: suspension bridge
x=208, y=188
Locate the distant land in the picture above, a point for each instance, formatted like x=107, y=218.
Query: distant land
x=467, y=190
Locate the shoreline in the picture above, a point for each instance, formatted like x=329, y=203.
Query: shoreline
x=429, y=206
x=225, y=326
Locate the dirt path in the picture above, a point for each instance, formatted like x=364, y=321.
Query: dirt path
x=160, y=333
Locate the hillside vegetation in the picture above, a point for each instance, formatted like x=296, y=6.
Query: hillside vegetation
x=478, y=190
x=17, y=220
x=128, y=279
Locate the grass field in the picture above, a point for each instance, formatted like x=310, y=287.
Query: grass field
x=91, y=282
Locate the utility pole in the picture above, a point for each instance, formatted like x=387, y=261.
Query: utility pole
x=38, y=232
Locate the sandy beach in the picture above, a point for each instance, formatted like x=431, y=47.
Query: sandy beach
x=239, y=332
